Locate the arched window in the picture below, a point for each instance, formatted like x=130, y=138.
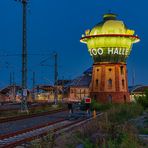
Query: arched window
x=110, y=83
x=110, y=69
x=110, y=98
x=95, y=97
x=97, y=82
x=121, y=70
x=123, y=83
x=124, y=98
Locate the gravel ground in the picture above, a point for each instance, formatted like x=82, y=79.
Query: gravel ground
x=14, y=126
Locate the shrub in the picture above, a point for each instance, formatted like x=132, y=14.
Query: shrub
x=143, y=100
x=94, y=105
x=100, y=106
x=125, y=137
x=120, y=113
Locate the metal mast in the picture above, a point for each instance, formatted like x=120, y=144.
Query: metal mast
x=24, y=56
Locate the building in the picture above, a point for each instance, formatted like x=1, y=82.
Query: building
x=10, y=93
x=136, y=91
x=46, y=93
x=78, y=88
x=109, y=43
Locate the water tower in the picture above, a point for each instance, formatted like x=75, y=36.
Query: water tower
x=109, y=43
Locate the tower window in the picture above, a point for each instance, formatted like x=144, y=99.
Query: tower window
x=124, y=98
x=110, y=83
x=97, y=82
x=123, y=83
x=110, y=98
x=110, y=69
x=95, y=97
x=97, y=69
x=121, y=69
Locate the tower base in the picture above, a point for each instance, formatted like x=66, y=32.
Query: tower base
x=117, y=97
x=109, y=83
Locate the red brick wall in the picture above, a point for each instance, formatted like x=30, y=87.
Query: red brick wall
x=118, y=92
x=117, y=97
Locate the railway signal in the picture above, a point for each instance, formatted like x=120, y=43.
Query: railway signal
x=87, y=100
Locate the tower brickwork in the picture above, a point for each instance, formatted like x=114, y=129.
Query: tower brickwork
x=109, y=83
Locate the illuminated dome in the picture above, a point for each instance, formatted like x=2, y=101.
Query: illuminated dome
x=110, y=40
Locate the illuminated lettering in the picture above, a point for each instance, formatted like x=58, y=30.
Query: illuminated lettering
x=110, y=50
x=100, y=51
x=94, y=51
x=126, y=52
x=116, y=51
x=123, y=50
x=120, y=51
x=91, y=52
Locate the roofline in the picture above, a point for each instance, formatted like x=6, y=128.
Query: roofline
x=137, y=87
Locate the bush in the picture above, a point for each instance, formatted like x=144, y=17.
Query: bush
x=120, y=113
x=143, y=100
x=100, y=106
x=125, y=136
x=94, y=105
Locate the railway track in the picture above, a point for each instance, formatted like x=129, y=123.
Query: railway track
x=16, y=106
x=14, y=139
x=30, y=116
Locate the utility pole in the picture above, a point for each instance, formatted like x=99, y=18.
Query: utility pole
x=55, y=77
x=24, y=56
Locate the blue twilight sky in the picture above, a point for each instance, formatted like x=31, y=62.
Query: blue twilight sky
x=56, y=26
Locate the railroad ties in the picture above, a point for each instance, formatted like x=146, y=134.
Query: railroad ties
x=59, y=125
x=30, y=135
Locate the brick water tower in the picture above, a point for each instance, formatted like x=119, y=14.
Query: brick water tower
x=109, y=43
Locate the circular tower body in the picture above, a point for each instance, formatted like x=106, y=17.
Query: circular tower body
x=109, y=43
